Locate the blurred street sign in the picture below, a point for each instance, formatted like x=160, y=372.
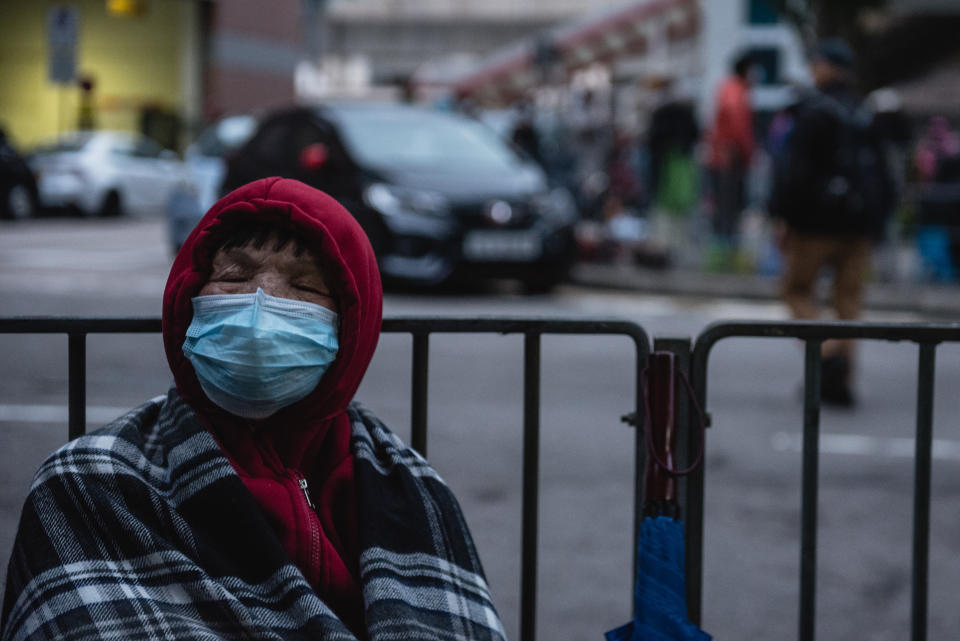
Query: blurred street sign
x=62, y=27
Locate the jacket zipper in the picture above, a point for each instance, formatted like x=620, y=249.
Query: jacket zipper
x=311, y=515
x=313, y=524
x=306, y=492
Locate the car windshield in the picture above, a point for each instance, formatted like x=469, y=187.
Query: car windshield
x=226, y=135
x=423, y=140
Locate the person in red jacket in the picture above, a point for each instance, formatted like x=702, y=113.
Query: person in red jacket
x=254, y=500
x=730, y=149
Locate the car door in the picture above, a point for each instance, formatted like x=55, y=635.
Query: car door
x=127, y=177
x=320, y=159
x=156, y=172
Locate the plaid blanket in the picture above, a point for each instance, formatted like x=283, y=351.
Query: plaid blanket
x=143, y=531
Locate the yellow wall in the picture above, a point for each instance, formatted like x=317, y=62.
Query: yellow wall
x=135, y=61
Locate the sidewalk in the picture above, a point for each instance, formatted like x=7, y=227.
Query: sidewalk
x=926, y=299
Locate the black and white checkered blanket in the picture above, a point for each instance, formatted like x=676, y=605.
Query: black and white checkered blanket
x=143, y=531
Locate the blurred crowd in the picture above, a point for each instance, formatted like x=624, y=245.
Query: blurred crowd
x=688, y=187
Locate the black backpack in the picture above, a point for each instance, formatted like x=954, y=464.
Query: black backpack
x=846, y=187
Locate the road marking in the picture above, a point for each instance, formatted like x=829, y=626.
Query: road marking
x=860, y=445
x=98, y=414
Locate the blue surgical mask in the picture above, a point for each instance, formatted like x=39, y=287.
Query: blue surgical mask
x=255, y=354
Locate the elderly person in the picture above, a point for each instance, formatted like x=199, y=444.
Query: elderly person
x=254, y=500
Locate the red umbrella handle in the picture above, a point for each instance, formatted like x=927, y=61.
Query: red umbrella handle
x=661, y=420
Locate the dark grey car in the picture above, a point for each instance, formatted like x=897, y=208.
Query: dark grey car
x=439, y=195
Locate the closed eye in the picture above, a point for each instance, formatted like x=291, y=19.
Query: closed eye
x=312, y=290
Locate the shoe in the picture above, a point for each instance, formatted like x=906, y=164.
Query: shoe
x=834, y=382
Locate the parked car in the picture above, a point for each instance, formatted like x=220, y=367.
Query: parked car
x=439, y=195
x=205, y=156
x=107, y=173
x=205, y=163
x=18, y=189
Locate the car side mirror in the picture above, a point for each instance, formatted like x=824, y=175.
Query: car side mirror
x=314, y=157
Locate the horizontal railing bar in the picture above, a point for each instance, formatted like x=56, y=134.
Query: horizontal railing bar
x=916, y=332
x=410, y=324
x=85, y=325
x=506, y=325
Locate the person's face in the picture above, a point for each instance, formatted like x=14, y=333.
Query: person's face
x=824, y=72
x=278, y=272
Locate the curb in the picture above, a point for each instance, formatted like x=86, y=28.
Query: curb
x=926, y=299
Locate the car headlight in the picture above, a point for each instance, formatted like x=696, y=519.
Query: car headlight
x=392, y=200
x=556, y=205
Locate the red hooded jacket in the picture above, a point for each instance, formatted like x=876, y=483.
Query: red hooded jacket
x=309, y=440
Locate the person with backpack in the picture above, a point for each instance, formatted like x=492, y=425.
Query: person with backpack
x=833, y=193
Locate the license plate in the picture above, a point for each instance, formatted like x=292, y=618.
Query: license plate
x=502, y=245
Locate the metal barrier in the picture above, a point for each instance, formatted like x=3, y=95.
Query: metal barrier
x=693, y=359
x=927, y=337
x=420, y=329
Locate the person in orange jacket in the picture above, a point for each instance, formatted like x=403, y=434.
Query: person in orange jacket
x=730, y=148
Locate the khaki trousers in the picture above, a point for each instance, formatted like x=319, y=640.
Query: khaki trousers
x=806, y=255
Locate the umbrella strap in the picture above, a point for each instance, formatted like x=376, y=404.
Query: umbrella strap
x=670, y=418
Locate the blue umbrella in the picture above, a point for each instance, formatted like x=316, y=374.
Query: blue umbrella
x=660, y=606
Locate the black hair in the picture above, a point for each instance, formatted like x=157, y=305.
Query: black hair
x=257, y=233
x=742, y=64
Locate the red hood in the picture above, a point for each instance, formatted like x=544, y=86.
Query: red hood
x=348, y=260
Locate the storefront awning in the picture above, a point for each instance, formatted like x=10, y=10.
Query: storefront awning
x=619, y=33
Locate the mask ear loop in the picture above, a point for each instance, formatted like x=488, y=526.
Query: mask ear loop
x=651, y=448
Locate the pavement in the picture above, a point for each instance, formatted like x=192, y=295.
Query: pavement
x=931, y=300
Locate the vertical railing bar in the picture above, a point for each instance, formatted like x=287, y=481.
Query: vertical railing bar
x=531, y=476
x=76, y=384
x=921, y=492
x=639, y=465
x=690, y=488
x=693, y=529
x=418, y=401
x=811, y=455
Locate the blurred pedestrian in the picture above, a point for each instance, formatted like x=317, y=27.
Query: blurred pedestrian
x=937, y=170
x=938, y=145
x=255, y=500
x=730, y=150
x=833, y=195
x=524, y=133
x=589, y=121
x=672, y=134
x=623, y=174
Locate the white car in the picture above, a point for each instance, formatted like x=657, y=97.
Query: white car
x=204, y=160
x=107, y=173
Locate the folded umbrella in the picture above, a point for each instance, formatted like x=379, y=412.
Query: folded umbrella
x=660, y=606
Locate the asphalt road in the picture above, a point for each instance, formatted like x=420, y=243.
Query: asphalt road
x=117, y=268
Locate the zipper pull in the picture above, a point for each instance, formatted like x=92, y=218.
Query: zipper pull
x=306, y=493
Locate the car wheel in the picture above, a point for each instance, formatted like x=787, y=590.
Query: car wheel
x=546, y=279
x=111, y=205
x=20, y=203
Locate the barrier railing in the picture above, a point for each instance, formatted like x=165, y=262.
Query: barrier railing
x=420, y=329
x=693, y=359
x=927, y=337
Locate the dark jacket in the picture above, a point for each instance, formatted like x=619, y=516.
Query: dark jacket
x=833, y=177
